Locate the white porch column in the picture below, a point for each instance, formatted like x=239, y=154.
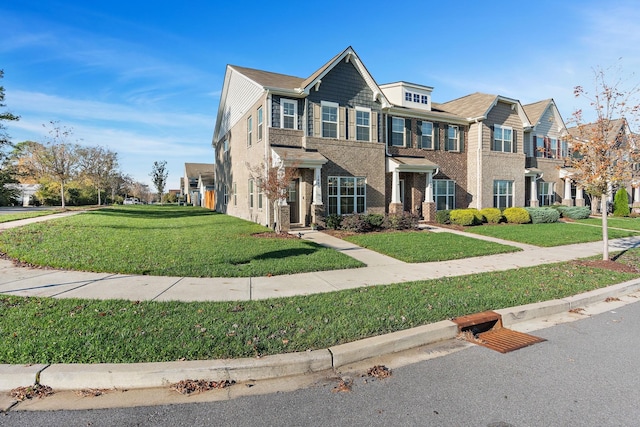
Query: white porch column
x=579, y=196
x=428, y=191
x=395, y=187
x=636, y=194
x=317, y=187
x=533, y=200
x=567, y=192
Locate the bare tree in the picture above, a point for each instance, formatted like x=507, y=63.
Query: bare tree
x=604, y=152
x=159, y=175
x=273, y=180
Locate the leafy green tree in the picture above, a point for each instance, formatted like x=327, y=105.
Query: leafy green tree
x=97, y=166
x=621, y=203
x=159, y=175
x=7, y=173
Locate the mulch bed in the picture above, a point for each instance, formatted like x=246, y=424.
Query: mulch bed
x=271, y=235
x=608, y=265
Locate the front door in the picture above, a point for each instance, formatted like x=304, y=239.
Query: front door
x=292, y=201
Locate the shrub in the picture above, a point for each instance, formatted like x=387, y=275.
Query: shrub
x=465, y=217
x=560, y=208
x=333, y=221
x=403, y=221
x=516, y=215
x=576, y=212
x=491, y=215
x=375, y=221
x=621, y=203
x=543, y=215
x=357, y=223
x=442, y=217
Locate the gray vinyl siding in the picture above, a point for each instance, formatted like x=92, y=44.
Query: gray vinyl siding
x=275, y=111
x=344, y=85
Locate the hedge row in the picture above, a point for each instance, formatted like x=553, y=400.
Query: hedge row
x=362, y=223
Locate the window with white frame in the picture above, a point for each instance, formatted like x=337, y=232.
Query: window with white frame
x=260, y=124
x=553, y=144
x=502, y=194
x=288, y=114
x=546, y=196
x=502, y=138
x=346, y=195
x=251, y=194
x=363, y=124
x=329, y=119
x=424, y=99
x=235, y=194
x=397, y=131
x=226, y=195
x=540, y=148
x=225, y=145
x=453, y=138
x=249, y=130
x=260, y=193
x=408, y=96
x=564, y=148
x=426, y=137
x=444, y=194
x=416, y=97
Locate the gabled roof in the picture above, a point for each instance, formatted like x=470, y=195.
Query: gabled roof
x=536, y=110
x=194, y=170
x=267, y=79
x=478, y=105
x=614, y=129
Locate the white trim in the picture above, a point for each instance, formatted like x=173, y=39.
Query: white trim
x=457, y=138
x=404, y=131
x=493, y=141
x=295, y=112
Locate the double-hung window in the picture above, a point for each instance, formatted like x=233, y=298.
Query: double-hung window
x=540, y=148
x=288, y=114
x=545, y=193
x=249, y=130
x=502, y=139
x=502, y=194
x=346, y=195
x=260, y=193
x=564, y=148
x=453, y=138
x=226, y=195
x=251, y=194
x=553, y=143
x=426, y=137
x=444, y=194
x=397, y=131
x=260, y=124
x=235, y=194
x=329, y=119
x=363, y=124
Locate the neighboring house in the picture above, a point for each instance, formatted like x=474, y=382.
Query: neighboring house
x=618, y=132
x=547, y=178
x=197, y=181
x=26, y=193
x=362, y=147
x=495, y=151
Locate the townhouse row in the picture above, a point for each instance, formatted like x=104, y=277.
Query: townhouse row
x=362, y=147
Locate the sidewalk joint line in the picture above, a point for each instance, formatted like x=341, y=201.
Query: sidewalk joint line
x=171, y=286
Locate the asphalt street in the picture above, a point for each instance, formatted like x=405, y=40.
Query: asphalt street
x=586, y=374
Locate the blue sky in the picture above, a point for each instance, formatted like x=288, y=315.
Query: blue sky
x=144, y=78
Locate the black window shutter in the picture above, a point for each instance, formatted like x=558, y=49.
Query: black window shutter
x=446, y=138
x=491, y=141
x=389, y=133
x=515, y=141
x=436, y=136
x=419, y=133
x=461, y=135
x=407, y=129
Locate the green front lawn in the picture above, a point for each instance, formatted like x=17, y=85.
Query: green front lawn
x=613, y=222
x=423, y=246
x=44, y=330
x=166, y=241
x=25, y=215
x=547, y=235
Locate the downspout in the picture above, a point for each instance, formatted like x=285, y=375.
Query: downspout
x=267, y=146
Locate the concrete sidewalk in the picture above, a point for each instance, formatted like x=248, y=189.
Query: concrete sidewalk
x=380, y=270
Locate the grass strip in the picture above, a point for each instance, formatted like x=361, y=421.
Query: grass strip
x=624, y=223
x=45, y=330
x=166, y=241
x=424, y=246
x=546, y=235
x=25, y=215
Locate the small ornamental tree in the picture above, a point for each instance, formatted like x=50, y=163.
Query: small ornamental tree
x=621, y=203
x=159, y=174
x=273, y=179
x=604, y=151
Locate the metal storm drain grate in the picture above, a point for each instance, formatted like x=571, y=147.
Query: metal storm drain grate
x=486, y=329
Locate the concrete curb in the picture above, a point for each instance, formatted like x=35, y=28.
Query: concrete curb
x=148, y=375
